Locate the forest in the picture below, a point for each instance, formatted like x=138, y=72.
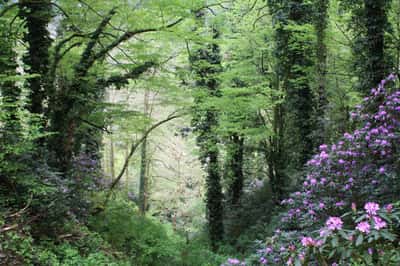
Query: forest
x=199, y=132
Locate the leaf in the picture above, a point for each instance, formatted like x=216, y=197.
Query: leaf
x=388, y=236
x=359, y=240
x=335, y=242
x=343, y=234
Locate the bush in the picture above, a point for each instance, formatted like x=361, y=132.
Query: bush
x=77, y=247
x=362, y=167
x=144, y=240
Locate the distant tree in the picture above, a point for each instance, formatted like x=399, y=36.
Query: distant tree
x=234, y=163
x=321, y=18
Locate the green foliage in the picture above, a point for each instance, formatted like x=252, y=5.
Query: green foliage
x=251, y=219
x=370, y=19
x=86, y=248
x=144, y=240
x=271, y=79
x=197, y=252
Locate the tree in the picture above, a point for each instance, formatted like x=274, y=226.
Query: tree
x=321, y=17
x=10, y=92
x=37, y=16
x=293, y=119
x=370, y=21
x=206, y=64
x=234, y=168
x=144, y=164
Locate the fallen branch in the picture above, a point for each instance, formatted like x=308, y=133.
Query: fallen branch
x=9, y=228
x=18, y=213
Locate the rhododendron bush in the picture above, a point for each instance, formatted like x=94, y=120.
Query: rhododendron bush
x=344, y=212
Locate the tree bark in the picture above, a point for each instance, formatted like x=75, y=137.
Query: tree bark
x=37, y=16
x=320, y=24
x=235, y=168
x=375, y=23
x=143, y=188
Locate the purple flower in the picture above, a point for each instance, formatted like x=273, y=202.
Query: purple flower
x=340, y=203
x=323, y=155
x=334, y=223
x=263, y=260
x=389, y=208
x=382, y=170
x=363, y=227
x=348, y=136
x=308, y=242
x=379, y=223
x=391, y=77
x=323, y=233
x=234, y=261
x=313, y=182
x=371, y=208
x=323, y=147
x=302, y=256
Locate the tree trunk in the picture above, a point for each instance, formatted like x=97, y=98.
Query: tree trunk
x=320, y=24
x=37, y=15
x=206, y=63
x=9, y=90
x=375, y=23
x=112, y=159
x=143, y=189
x=235, y=168
x=294, y=61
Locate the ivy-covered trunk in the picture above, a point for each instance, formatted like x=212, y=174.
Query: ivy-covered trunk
x=376, y=23
x=294, y=50
x=9, y=91
x=320, y=25
x=10, y=118
x=234, y=168
x=214, y=196
x=37, y=16
x=206, y=64
x=369, y=23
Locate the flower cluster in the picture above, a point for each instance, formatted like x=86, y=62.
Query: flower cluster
x=359, y=166
x=371, y=209
x=334, y=223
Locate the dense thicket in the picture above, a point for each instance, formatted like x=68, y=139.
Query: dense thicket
x=227, y=102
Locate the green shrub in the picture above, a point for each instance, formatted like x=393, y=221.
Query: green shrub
x=144, y=240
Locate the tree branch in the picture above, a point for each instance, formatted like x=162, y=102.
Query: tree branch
x=7, y=8
x=91, y=59
x=120, y=80
x=128, y=35
x=87, y=58
x=134, y=147
x=102, y=128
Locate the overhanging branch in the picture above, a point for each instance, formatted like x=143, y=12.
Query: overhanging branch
x=120, y=80
x=134, y=147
